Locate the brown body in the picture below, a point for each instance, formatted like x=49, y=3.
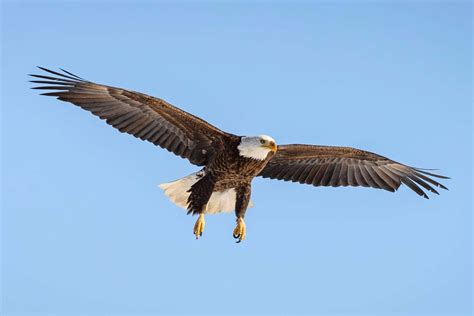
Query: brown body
x=227, y=170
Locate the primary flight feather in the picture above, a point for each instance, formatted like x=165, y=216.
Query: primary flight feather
x=230, y=162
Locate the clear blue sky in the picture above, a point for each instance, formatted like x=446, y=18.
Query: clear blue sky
x=86, y=231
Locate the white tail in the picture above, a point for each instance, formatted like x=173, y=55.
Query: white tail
x=177, y=192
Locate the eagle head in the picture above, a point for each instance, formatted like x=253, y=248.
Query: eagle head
x=257, y=147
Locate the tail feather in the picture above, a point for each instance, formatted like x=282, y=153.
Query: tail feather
x=178, y=192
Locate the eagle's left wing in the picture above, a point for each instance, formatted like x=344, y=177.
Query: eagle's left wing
x=143, y=116
x=345, y=166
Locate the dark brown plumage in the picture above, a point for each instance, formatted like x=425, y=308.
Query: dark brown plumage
x=230, y=162
x=140, y=115
x=344, y=166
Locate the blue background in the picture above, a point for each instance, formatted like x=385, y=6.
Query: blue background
x=85, y=229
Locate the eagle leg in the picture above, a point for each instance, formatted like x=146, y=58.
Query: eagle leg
x=199, y=226
x=241, y=203
x=240, y=230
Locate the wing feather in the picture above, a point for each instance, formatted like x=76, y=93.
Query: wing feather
x=351, y=180
x=378, y=180
x=360, y=179
x=296, y=175
x=304, y=173
x=328, y=174
x=140, y=115
x=310, y=176
x=319, y=175
x=389, y=181
x=428, y=179
x=343, y=175
x=345, y=166
x=336, y=179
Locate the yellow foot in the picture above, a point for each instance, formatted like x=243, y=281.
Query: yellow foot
x=239, y=231
x=199, y=226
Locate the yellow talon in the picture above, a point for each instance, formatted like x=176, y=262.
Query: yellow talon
x=240, y=230
x=199, y=226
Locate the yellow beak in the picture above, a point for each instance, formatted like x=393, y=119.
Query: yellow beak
x=272, y=146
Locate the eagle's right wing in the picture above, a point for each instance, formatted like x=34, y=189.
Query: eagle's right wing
x=345, y=166
x=140, y=115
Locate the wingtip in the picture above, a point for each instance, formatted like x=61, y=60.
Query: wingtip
x=424, y=171
x=71, y=74
x=50, y=94
x=442, y=186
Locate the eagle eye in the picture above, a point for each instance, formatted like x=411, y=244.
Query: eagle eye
x=262, y=141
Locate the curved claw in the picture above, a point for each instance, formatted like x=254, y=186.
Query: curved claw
x=240, y=230
x=199, y=226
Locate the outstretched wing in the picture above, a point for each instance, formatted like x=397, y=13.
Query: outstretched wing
x=138, y=114
x=344, y=166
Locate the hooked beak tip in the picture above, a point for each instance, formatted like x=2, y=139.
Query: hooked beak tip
x=272, y=146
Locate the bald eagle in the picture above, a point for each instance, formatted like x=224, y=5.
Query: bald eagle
x=229, y=162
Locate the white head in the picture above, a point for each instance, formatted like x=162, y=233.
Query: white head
x=257, y=147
